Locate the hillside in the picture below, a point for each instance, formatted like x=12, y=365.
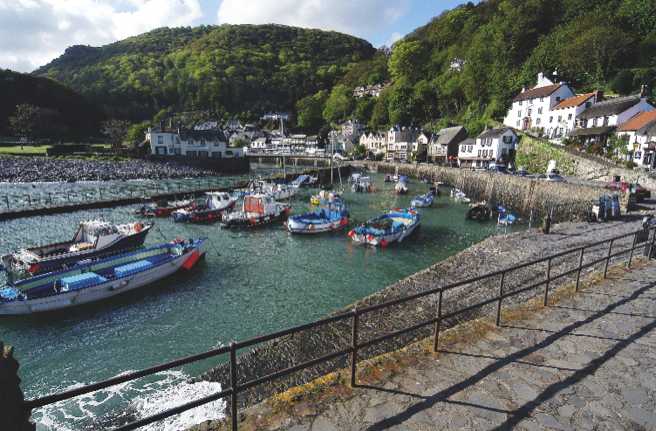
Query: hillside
x=466, y=64
x=64, y=113
x=235, y=69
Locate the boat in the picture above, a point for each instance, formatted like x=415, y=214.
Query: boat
x=362, y=185
x=163, y=208
x=423, y=201
x=505, y=218
x=460, y=196
x=329, y=218
x=206, y=210
x=322, y=197
x=93, y=238
x=401, y=187
x=304, y=181
x=98, y=279
x=394, y=226
x=257, y=210
x=388, y=178
x=479, y=211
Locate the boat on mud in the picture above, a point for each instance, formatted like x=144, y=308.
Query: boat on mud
x=383, y=230
x=330, y=217
x=460, y=196
x=479, y=212
x=163, y=208
x=257, y=210
x=362, y=185
x=92, y=239
x=423, y=201
x=206, y=210
x=97, y=279
x=401, y=186
x=505, y=217
x=305, y=181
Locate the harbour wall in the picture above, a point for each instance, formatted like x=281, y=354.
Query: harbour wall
x=526, y=196
x=491, y=255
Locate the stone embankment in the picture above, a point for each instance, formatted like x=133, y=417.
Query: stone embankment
x=488, y=256
x=568, y=201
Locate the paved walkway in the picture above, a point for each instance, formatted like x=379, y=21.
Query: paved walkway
x=587, y=363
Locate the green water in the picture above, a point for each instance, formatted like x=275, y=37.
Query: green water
x=250, y=283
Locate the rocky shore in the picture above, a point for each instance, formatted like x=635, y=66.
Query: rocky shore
x=42, y=169
x=490, y=255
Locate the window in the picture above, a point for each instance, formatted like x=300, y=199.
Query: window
x=538, y=121
x=588, y=104
x=569, y=117
x=519, y=123
x=171, y=151
x=520, y=103
x=216, y=154
x=558, y=99
x=551, y=119
x=203, y=154
x=192, y=153
x=638, y=155
x=539, y=110
x=560, y=118
x=161, y=151
x=479, y=153
x=529, y=112
x=594, y=122
x=519, y=113
x=177, y=151
x=160, y=140
x=606, y=121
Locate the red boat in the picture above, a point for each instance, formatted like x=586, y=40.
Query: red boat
x=163, y=208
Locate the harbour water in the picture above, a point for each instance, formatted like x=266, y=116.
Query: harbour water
x=250, y=283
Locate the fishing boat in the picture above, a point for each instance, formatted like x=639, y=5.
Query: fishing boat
x=479, y=211
x=305, y=181
x=394, y=226
x=423, y=201
x=95, y=280
x=459, y=196
x=401, y=187
x=362, y=185
x=206, y=210
x=279, y=192
x=324, y=196
x=93, y=238
x=257, y=210
x=388, y=178
x=505, y=218
x=164, y=208
x=330, y=217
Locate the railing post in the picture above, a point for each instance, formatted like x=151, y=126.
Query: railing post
x=7, y=202
x=651, y=246
x=610, y=252
x=635, y=240
x=233, y=386
x=546, y=287
x=503, y=277
x=438, y=323
x=13, y=415
x=578, y=274
x=354, y=345
x=29, y=200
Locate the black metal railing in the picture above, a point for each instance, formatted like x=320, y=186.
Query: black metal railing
x=638, y=239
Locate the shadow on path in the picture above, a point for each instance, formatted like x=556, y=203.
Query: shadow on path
x=524, y=411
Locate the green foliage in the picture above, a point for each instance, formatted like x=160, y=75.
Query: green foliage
x=534, y=155
x=25, y=120
x=309, y=111
x=339, y=104
x=116, y=131
x=623, y=82
x=137, y=133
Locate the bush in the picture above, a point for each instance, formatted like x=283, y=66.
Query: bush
x=629, y=164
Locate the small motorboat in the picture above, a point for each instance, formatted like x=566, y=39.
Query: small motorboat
x=97, y=279
x=479, y=212
x=304, y=181
x=460, y=196
x=331, y=217
x=94, y=238
x=163, y=208
x=423, y=201
x=401, y=188
x=206, y=210
x=323, y=197
x=257, y=210
x=277, y=191
x=505, y=218
x=394, y=226
x=388, y=178
x=362, y=185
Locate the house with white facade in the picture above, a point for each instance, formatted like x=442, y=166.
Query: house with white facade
x=562, y=118
x=493, y=145
x=639, y=133
x=374, y=142
x=190, y=143
x=532, y=108
x=598, y=122
x=401, y=143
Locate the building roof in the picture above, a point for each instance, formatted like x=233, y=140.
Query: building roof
x=197, y=135
x=468, y=141
x=574, y=101
x=592, y=131
x=450, y=134
x=537, y=92
x=638, y=122
x=610, y=107
x=493, y=133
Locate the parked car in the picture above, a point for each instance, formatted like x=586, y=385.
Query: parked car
x=640, y=192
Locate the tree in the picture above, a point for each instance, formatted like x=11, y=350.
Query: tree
x=137, y=133
x=116, y=132
x=623, y=82
x=24, y=122
x=339, y=105
x=309, y=111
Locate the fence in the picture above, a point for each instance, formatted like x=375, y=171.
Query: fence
x=607, y=248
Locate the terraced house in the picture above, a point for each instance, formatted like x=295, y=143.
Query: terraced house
x=640, y=136
x=492, y=146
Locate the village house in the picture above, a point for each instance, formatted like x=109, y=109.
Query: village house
x=443, y=146
x=493, y=145
x=190, y=143
x=346, y=136
x=562, y=118
x=531, y=109
x=598, y=122
x=639, y=133
x=374, y=142
x=400, y=143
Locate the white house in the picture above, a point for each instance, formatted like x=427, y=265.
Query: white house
x=374, y=142
x=494, y=145
x=531, y=108
x=640, y=136
x=562, y=118
x=190, y=143
x=599, y=121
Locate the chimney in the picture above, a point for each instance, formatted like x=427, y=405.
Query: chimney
x=643, y=91
x=599, y=96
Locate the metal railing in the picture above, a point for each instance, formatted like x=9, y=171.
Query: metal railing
x=640, y=238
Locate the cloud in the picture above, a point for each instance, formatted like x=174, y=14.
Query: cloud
x=394, y=37
x=33, y=32
x=359, y=17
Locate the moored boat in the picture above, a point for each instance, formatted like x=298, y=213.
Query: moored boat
x=423, y=201
x=163, y=208
x=362, y=185
x=93, y=238
x=99, y=279
x=332, y=216
x=479, y=212
x=394, y=226
x=459, y=196
x=207, y=210
x=257, y=210
x=401, y=187
x=505, y=218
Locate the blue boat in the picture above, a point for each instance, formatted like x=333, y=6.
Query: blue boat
x=423, y=201
x=331, y=216
x=95, y=280
x=506, y=218
x=394, y=226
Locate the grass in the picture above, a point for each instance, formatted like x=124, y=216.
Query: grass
x=534, y=155
x=34, y=150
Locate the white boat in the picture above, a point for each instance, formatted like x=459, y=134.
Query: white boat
x=257, y=210
x=331, y=216
x=423, y=201
x=394, y=226
x=206, y=210
x=100, y=279
x=362, y=185
x=459, y=196
x=279, y=192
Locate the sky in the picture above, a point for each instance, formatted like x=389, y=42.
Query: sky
x=34, y=32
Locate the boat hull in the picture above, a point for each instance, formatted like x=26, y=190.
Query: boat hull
x=101, y=291
x=297, y=227
x=255, y=222
x=203, y=216
x=384, y=240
